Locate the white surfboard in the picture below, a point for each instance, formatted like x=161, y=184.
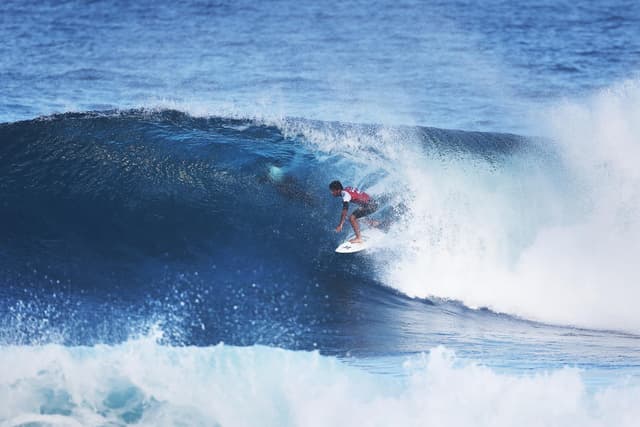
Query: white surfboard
x=350, y=248
x=370, y=238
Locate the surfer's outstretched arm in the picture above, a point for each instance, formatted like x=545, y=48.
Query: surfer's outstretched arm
x=343, y=216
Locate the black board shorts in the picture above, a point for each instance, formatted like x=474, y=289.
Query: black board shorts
x=366, y=209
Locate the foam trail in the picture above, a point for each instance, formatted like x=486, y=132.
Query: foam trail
x=148, y=384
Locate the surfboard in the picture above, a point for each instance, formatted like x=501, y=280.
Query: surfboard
x=370, y=238
x=349, y=248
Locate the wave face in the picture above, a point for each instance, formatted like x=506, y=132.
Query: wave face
x=136, y=210
x=217, y=229
x=221, y=229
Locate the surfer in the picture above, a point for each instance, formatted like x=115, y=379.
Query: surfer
x=366, y=206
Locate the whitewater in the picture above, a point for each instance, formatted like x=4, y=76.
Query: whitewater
x=167, y=234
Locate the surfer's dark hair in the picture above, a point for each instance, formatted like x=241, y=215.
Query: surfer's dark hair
x=335, y=185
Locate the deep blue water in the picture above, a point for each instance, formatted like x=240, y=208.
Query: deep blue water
x=445, y=64
x=167, y=234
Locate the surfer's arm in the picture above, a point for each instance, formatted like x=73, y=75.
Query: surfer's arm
x=343, y=216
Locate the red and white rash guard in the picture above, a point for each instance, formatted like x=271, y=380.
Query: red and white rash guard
x=354, y=195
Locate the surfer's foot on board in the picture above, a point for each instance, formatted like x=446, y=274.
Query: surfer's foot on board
x=355, y=240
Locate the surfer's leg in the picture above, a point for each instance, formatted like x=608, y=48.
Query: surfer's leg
x=356, y=228
x=367, y=210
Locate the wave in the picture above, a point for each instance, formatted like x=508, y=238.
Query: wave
x=124, y=205
x=144, y=383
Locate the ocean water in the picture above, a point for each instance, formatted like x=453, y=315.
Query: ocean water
x=167, y=234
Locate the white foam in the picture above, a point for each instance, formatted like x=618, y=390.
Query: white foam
x=579, y=264
x=148, y=384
